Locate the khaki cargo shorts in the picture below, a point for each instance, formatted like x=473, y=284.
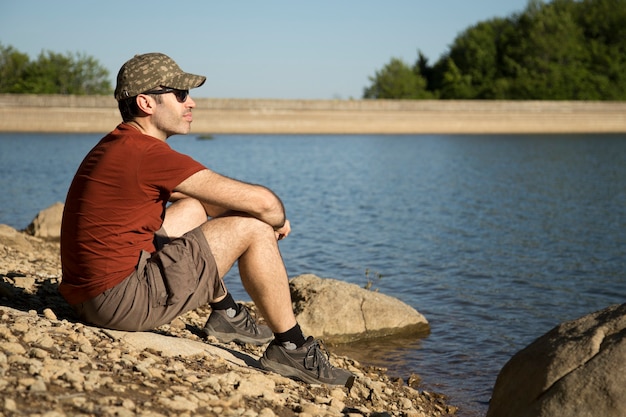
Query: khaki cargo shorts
x=179, y=277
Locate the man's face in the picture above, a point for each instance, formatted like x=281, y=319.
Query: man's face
x=172, y=117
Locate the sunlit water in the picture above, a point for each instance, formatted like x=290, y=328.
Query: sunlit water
x=495, y=239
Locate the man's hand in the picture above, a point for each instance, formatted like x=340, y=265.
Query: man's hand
x=283, y=231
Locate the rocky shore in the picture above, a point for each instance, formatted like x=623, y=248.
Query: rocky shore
x=53, y=365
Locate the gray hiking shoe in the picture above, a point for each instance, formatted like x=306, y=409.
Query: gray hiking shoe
x=241, y=328
x=309, y=363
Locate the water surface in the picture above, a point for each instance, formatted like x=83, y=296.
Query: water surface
x=495, y=239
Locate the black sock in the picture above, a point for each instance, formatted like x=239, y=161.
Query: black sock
x=225, y=304
x=291, y=339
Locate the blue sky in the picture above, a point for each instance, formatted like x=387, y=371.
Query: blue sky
x=252, y=49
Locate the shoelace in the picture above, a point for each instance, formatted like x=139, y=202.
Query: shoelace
x=317, y=357
x=249, y=323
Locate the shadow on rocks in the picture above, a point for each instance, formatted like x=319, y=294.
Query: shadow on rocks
x=242, y=356
x=26, y=293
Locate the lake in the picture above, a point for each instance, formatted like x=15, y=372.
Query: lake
x=495, y=239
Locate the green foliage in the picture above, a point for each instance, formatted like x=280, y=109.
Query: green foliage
x=454, y=83
x=52, y=73
x=560, y=50
x=13, y=65
x=550, y=54
x=397, y=80
x=473, y=61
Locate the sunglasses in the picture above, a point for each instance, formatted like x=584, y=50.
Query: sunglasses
x=181, y=95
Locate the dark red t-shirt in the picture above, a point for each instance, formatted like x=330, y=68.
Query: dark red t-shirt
x=114, y=205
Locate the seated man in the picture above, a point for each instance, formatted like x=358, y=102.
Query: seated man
x=132, y=261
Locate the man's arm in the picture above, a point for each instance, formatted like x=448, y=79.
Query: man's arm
x=217, y=191
x=210, y=209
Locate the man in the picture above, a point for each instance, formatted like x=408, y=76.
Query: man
x=149, y=233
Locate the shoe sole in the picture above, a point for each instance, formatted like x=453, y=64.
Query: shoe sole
x=291, y=372
x=233, y=337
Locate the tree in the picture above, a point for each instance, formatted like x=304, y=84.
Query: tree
x=422, y=69
x=605, y=33
x=455, y=85
x=474, y=55
x=556, y=50
x=52, y=73
x=397, y=81
x=552, y=54
x=12, y=67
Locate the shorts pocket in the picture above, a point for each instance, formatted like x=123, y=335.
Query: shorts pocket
x=173, y=276
x=156, y=287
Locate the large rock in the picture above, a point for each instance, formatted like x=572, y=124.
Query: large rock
x=47, y=223
x=14, y=239
x=342, y=312
x=576, y=369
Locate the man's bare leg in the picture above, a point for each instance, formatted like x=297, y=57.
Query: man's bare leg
x=252, y=243
x=263, y=274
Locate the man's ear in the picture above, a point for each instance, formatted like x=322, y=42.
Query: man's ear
x=145, y=103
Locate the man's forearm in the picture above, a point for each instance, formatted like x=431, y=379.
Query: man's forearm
x=271, y=209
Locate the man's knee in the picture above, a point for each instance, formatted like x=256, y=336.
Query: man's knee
x=256, y=227
x=193, y=209
x=231, y=236
x=184, y=215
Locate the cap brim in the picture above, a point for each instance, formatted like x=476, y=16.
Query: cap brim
x=185, y=81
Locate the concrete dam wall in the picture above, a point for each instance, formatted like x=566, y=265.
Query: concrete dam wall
x=99, y=114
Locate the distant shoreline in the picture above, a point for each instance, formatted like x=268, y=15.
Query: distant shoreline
x=99, y=114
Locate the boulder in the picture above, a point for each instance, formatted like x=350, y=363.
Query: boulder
x=341, y=312
x=47, y=223
x=14, y=239
x=576, y=369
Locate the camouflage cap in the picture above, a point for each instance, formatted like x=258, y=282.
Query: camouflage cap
x=149, y=71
